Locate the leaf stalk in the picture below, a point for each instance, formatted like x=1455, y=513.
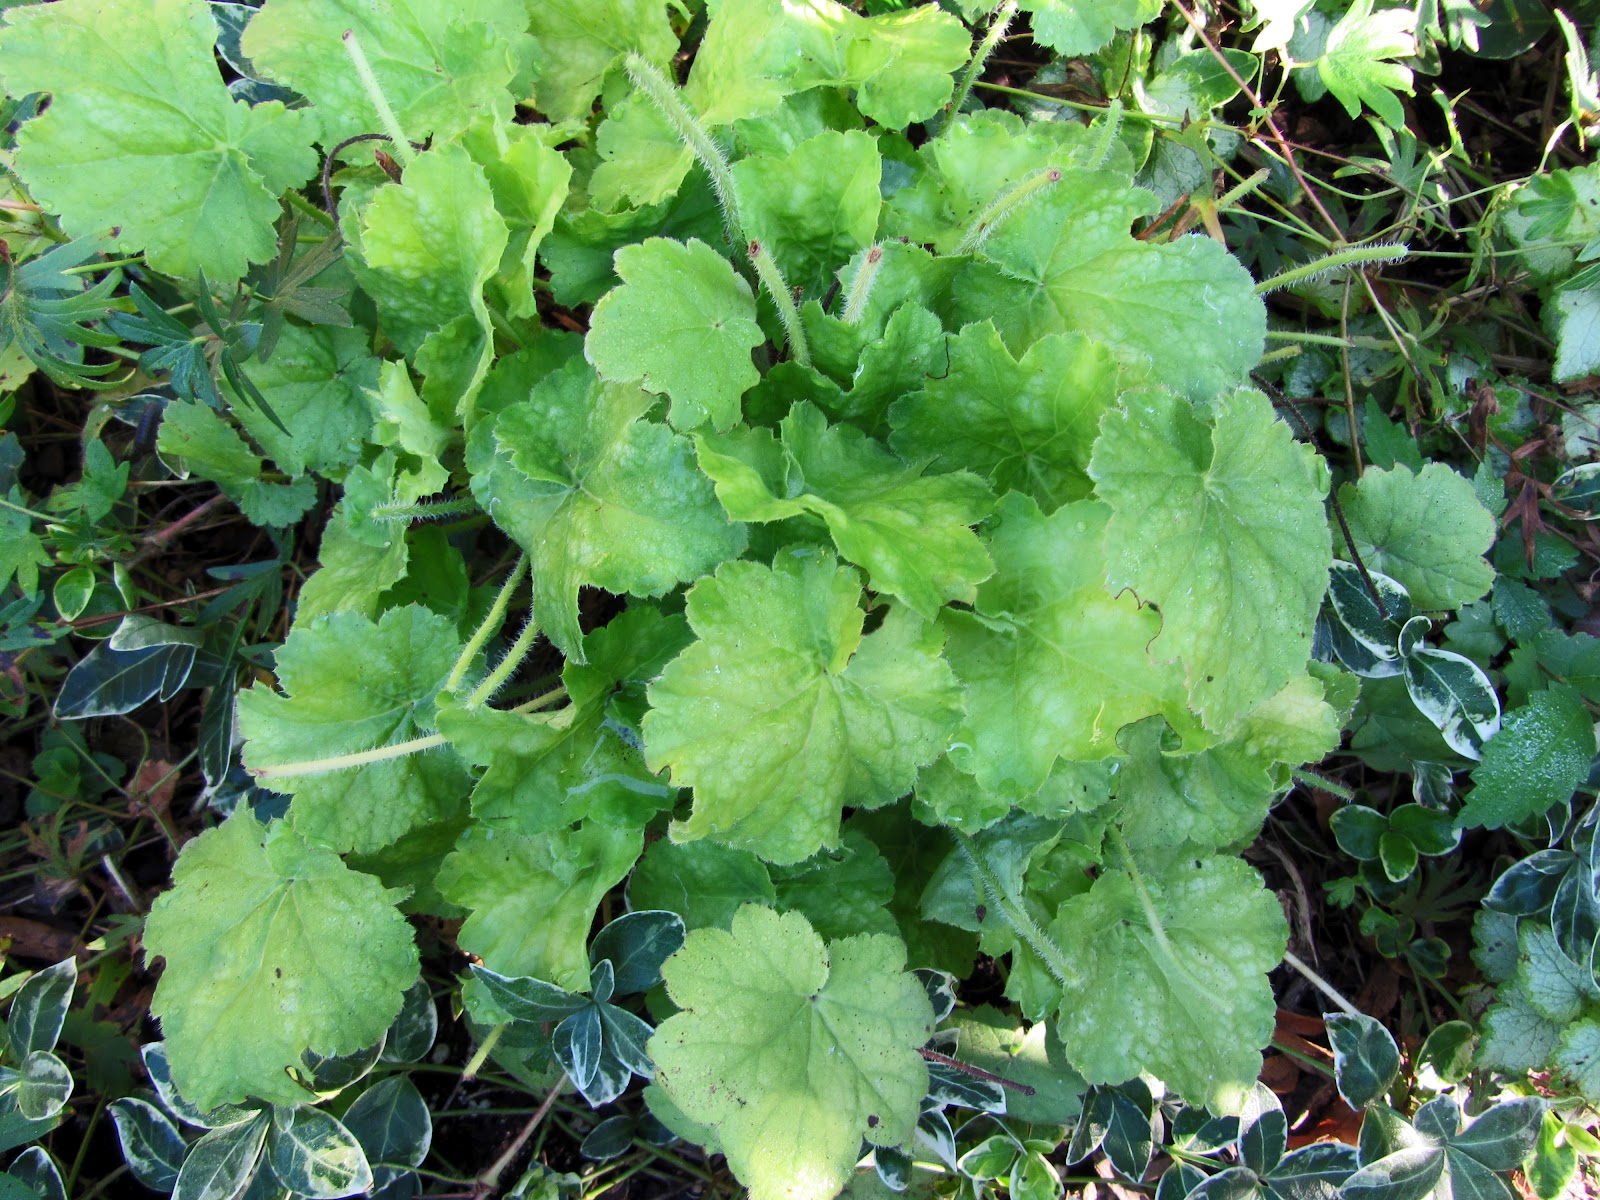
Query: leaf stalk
x=772, y=279
x=369, y=83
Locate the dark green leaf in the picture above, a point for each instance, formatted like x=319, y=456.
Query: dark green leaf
x=529, y=999
x=413, y=1032
x=1365, y=1058
x=1314, y=1172
x=1404, y=1175
x=577, y=1043
x=151, y=1145
x=391, y=1121
x=611, y=1138
x=637, y=944
x=1263, y=1130
x=108, y=682
x=221, y=1163
x=1503, y=1137
x=315, y=1156
x=40, y=1006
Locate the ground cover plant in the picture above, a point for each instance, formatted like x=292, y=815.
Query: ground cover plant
x=808, y=599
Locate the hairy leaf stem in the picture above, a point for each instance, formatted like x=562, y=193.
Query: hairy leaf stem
x=649, y=79
x=974, y=68
x=855, y=305
x=1004, y=205
x=486, y=629
x=1017, y=917
x=369, y=83
x=1349, y=256
x=481, y=1054
x=365, y=758
x=772, y=279
x=423, y=510
x=503, y=671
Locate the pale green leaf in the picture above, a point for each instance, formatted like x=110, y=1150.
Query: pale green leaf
x=596, y=494
x=793, y=1051
x=533, y=897
x=1067, y=261
x=683, y=323
x=426, y=246
x=912, y=56
x=815, y=206
x=273, y=947
x=756, y=52
x=327, y=709
x=530, y=180
x=1578, y=1055
x=1427, y=531
x=1574, y=315
x=1054, y=663
x=643, y=161
x=440, y=65
x=1222, y=528
x=1554, y=986
x=1024, y=425
x=149, y=141
x=783, y=713
x=909, y=530
x=1172, y=978
x=1516, y=1036
x=582, y=39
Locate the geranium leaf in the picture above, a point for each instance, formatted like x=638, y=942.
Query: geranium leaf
x=150, y=142
x=1357, y=63
x=793, y=1050
x=326, y=709
x=273, y=947
x=683, y=322
x=783, y=713
x=1147, y=962
x=909, y=530
x=598, y=495
x=1222, y=528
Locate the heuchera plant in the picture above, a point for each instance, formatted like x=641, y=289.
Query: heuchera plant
x=964, y=588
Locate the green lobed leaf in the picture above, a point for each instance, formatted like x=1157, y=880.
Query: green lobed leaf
x=683, y=323
x=326, y=709
x=909, y=530
x=1077, y=27
x=912, y=55
x=704, y=882
x=273, y=947
x=793, y=1050
x=1025, y=425
x=212, y=449
x=1177, y=988
x=583, y=39
x=533, y=897
x=1222, y=528
x=597, y=494
x=783, y=713
x=150, y=142
x=1538, y=758
x=756, y=52
x=1553, y=985
x=841, y=890
x=814, y=207
x=1578, y=1055
x=424, y=248
x=317, y=382
x=1067, y=262
x=1426, y=531
x=1054, y=664
x=530, y=180
x=439, y=66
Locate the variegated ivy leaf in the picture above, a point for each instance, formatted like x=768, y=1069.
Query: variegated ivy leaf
x=596, y=494
x=327, y=709
x=149, y=142
x=1454, y=694
x=273, y=947
x=909, y=530
x=1172, y=977
x=783, y=713
x=1067, y=261
x=1219, y=524
x=1053, y=662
